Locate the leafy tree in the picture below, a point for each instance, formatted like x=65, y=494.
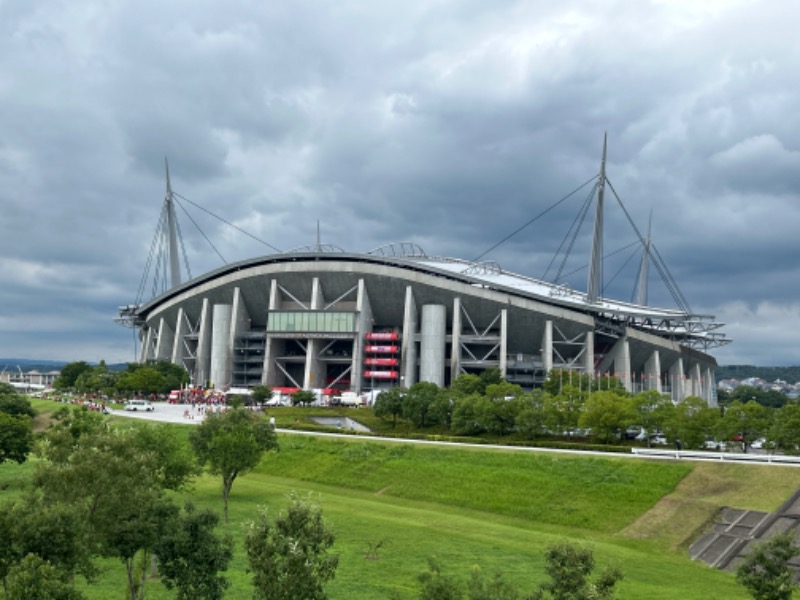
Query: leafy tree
x=261, y=394
x=33, y=578
x=562, y=411
x=289, y=559
x=69, y=375
x=498, y=413
x=490, y=377
x=606, y=414
x=469, y=414
x=691, y=422
x=436, y=586
x=785, y=430
x=232, y=443
x=118, y=486
x=142, y=379
x=418, y=401
x=12, y=403
x=389, y=403
x=55, y=532
x=569, y=568
x=191, y=556
x=467, y=384
x=496, y=588
x=745, y=420
x=650, y=410
x=304, y=397
x=530, y=419
x=766, y=573
x=16, y=437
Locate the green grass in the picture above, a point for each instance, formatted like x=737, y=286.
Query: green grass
x=493, y=508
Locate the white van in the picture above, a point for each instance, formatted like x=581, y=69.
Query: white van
x=139, y=405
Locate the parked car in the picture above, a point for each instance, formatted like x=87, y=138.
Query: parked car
x=659, y=439
x=135, y=405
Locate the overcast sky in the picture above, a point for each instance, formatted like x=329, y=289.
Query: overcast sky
x=445, y=123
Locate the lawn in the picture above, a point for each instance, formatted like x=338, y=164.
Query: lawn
x=393, y=505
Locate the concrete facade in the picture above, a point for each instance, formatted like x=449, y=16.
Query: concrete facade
x=361, y=322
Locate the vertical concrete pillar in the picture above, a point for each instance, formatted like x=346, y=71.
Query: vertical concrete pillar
x=709, y=384
x=676, y=380
x=147, y=346
x=408, y=356
x=314, y=376
x=432, y=344
x=503, y=343
x=588, y=354
x=272, y=346
x=547, y=347
x=455, y=340
x=363, y=327
x=240, y=324
x=220, y=372
x=652, y=372
x=203, y=366
x=696, y=381
x=181, y=330
x=166, y=339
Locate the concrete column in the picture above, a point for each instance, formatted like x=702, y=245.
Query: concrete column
x=652, y=372
x=272, y=347
x=363, y=327
x=696, y=381
x=203, y=366
x=314, y=376
x=503, y=343
x=240, y=324
x=547, y=347
x=181, y=330
x=432, y=344
x=221, y=351
x=676, y=379
x=166, y=339
x=709, y=384
x=408, y=356
x=147, y=346
x=455, y=340
x=620, y=356
x=588, y=354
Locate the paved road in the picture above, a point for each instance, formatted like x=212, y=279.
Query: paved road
x=176, y=413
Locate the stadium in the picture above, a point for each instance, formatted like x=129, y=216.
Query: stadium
x=320, y=318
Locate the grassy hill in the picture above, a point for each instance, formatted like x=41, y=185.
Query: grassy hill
x=496, y=509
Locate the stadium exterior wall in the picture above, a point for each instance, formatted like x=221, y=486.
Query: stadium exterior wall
x=360, y=322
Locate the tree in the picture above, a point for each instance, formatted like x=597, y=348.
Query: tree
x=650, y=410
x=436, y=586
x=261, y=394
x=16, y=437
x=15, y=404
x=191, y=556
x=55, y=532
x=389, y=403
x=35, y=579
x=118, y=485
x=606, y=414
x=691, y=422
x=69, y=375
x=289, y=559
x=745, y=421
x=143, y=379
x=530, y=420
x=468, y=415
x=766, y=573
x=569, y=568
x=304, y=397
x=418, y=401
x=232, y=443
x=785, y=431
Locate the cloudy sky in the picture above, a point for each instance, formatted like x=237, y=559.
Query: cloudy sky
x=445, y=123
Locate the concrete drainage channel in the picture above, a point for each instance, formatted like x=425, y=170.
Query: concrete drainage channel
x=341, y=423
x=730, y=541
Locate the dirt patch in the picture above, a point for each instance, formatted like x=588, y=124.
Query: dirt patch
x=380, y=491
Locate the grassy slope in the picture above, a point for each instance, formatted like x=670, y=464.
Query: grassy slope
x=495, y=509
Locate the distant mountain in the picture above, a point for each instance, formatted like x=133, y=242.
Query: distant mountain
x=28, y=364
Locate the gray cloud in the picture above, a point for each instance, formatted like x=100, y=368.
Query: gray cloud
x=449, y=125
